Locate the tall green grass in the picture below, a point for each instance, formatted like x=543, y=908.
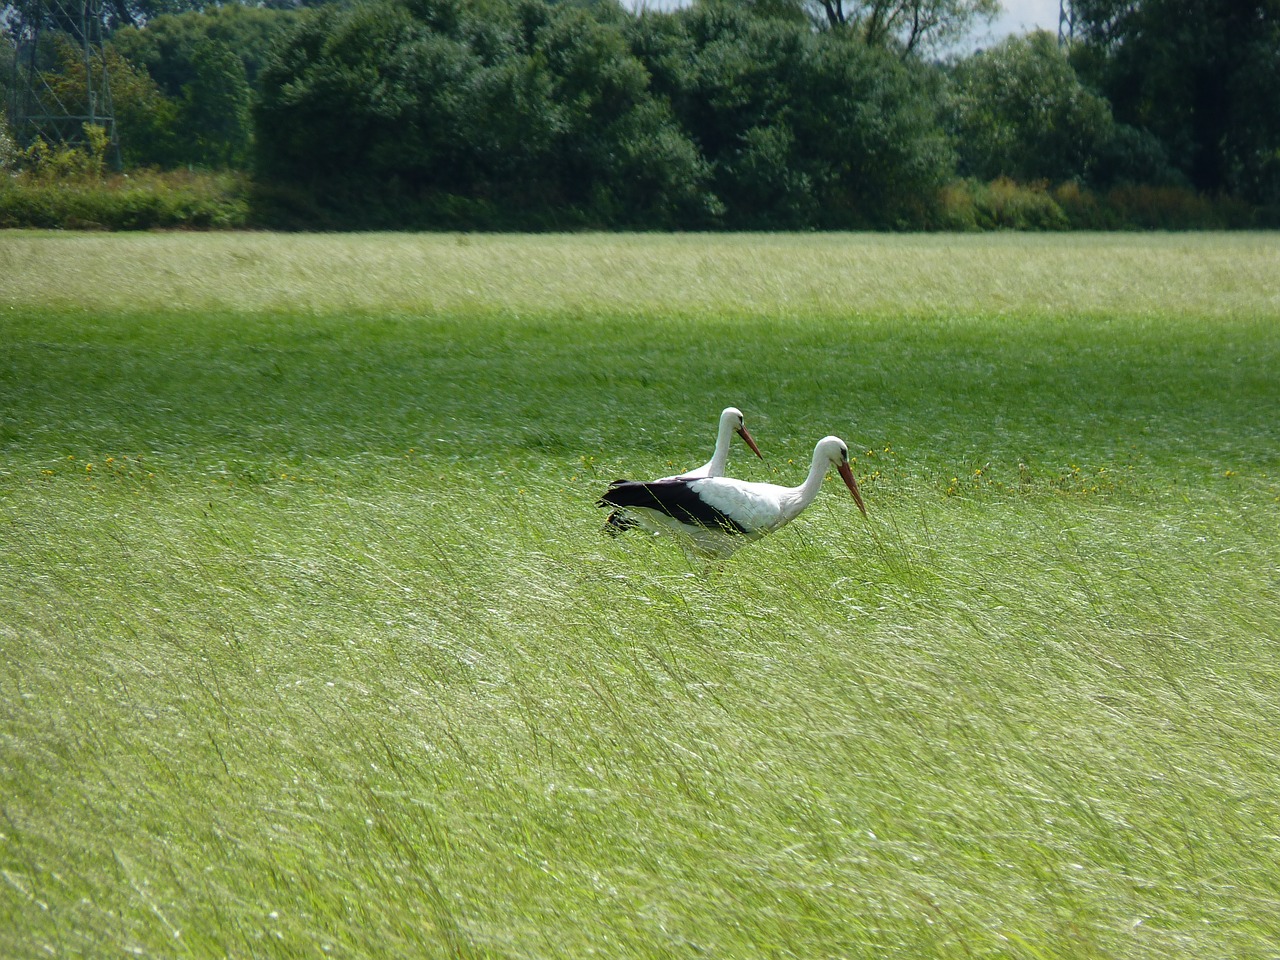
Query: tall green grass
x=310, y=643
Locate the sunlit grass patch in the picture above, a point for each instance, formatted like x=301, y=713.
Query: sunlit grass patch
x=783, y=277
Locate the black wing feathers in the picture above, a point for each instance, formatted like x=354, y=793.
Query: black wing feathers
x=676, y=498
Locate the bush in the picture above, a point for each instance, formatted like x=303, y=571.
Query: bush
x=1175, y=208
x=1084, y=209
x=1004, y=204
x=1001, y=204
x=8, y=146
x=1146, y=207
x=141, y=201
x=49, y=162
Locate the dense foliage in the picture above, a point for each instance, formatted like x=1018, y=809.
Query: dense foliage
x=770, y=114
x=201, y=68
x=1203, y=78
x=535, y=114
x=1020, y=111
x=540, y=113
x=800, y=128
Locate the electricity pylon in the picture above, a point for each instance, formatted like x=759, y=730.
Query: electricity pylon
x=1066, y=22
x=40, y=105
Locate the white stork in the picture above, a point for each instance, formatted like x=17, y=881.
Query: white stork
x=731, y=422
x=720, y=514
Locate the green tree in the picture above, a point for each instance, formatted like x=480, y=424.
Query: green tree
x=521, y=113
x=801, y=128
x=8, y=55
x=166, y=45
x=203, y=64
x=146, y=120
x=907, y=25
x=1203, y=77
x=1018, y=110
x=370, y=99
x=617, y=146
x=214, y=110
x=144, y=117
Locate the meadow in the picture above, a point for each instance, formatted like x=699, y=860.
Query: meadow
x=311, y=644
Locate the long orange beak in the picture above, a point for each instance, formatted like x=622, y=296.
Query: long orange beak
x=742, y=432
x=846, y=473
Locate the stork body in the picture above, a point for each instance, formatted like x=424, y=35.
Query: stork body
x=717, y=515
x=731, y=422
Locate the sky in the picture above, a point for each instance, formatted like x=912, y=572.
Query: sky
x=1020, y=16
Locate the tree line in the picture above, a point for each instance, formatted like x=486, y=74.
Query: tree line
x=755, y=114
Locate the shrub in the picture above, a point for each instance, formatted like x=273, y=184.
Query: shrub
x=1001, y=204
x=1146, y=207
x=8, y=147
x=957, y=209
x=1084, y=209
x=1004, y=204
x=49, y=162
x=144, y=200
x=1175, y=208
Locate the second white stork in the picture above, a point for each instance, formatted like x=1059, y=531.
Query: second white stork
x=731, y=422
x=717, y=515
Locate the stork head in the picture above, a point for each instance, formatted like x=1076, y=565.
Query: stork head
x=733, y=417
x=834, y=451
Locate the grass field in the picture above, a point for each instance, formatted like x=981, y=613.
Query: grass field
x=311, y=645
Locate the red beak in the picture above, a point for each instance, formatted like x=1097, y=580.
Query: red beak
x=846, y=473
x=742, y=432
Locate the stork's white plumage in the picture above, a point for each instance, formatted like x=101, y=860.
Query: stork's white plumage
x=717, y=515
x=731, y=422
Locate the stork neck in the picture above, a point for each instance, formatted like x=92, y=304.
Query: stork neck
x=720, y=458
x=803, y=495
